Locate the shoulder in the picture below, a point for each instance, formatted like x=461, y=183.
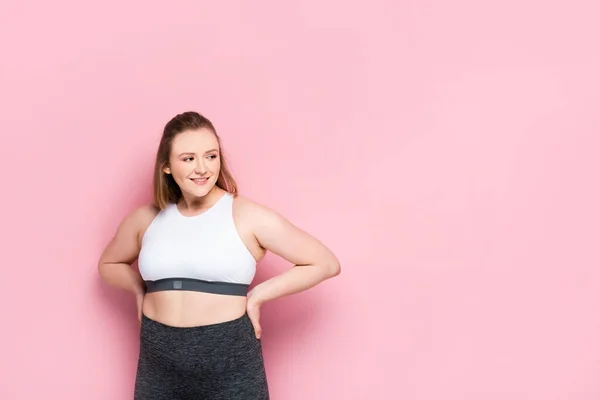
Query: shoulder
x=269, y=227
x=128, y=235
x=277, y=234
x=138, y=220
x=144, y=214
x=256, y=213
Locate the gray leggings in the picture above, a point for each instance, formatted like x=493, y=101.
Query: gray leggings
x=212, y=362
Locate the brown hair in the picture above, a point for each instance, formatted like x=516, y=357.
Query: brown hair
x=165, y=188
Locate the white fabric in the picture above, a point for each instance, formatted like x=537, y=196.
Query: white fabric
x=206, y=246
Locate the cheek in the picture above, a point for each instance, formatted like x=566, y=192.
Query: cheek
x=180, y=170
x=216, y=166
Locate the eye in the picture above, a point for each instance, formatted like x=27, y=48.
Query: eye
x=188, y=158
x=212, y=157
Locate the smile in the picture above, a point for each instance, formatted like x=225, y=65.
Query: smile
x=200, y=181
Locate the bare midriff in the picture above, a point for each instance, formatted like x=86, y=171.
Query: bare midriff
x=187, y=308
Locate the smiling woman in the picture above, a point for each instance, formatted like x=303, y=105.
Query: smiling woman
x=197, y=248
x=190, y=149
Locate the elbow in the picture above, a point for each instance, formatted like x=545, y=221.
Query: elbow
x=333, y=268
x=102, y=269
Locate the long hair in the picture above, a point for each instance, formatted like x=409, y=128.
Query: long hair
x=166, y=189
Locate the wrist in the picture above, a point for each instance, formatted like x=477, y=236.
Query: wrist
x=256, y=296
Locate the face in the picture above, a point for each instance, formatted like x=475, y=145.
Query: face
x=194, y=162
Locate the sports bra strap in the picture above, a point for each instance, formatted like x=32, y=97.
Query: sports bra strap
x=197, y=285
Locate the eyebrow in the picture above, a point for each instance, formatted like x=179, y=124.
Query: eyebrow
x=191, y=154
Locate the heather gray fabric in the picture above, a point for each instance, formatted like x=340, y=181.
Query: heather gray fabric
x=222, y=361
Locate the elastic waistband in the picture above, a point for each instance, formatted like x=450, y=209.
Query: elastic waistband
x=227, y=324
x=197, y=285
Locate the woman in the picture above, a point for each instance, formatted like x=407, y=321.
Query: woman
x=197, y=248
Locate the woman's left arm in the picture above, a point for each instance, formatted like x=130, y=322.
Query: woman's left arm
x=313, y=261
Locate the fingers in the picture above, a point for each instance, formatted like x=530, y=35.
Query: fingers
x=257, y=329
x=254, y=315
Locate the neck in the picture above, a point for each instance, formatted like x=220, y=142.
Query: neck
x=194, y=203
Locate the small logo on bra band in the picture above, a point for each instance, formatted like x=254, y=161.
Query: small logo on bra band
x=177, y=284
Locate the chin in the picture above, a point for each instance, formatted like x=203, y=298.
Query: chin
x=200, y=191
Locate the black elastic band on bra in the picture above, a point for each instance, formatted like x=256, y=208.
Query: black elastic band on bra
x=197, y=285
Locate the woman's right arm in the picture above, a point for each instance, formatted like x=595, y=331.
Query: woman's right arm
x=123, y=249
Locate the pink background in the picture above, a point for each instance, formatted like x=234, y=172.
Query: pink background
x=446, y=151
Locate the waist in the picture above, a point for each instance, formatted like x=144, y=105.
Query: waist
x=183, y=308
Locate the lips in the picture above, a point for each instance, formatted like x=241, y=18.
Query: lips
x=199, y=181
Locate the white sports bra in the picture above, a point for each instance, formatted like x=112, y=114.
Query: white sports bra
x=200, y=253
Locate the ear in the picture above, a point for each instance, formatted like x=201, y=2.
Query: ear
x=167, y=169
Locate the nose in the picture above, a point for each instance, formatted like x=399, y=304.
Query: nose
x=200, y=168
